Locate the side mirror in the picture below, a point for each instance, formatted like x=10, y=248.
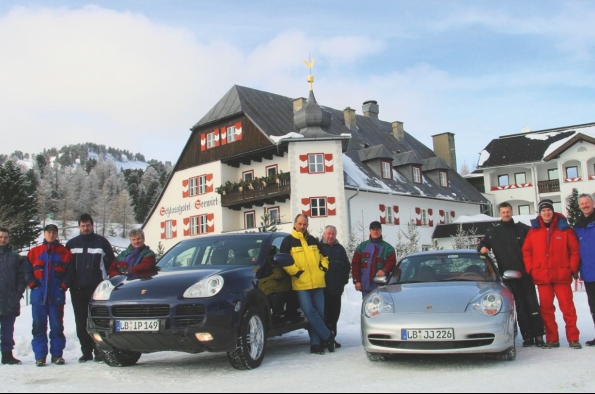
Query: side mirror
x=510, y=274
x=381, y=280
x=282, y=260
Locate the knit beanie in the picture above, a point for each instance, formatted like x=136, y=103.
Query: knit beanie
x=544, y=204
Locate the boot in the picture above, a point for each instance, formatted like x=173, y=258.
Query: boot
x=330, y=343
x=317, y=349
x=575, y=345
x=99, y=358
x=550, y=345
x=85, y=358
x=529, y=342
x=539, y=341
x=590, y=343
x=8, y=359
x=58, y=360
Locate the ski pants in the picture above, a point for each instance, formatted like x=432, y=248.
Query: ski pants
x=81, y=297
x=563, y=292
x=7, y=332
x=41, y=314
x=527, y=307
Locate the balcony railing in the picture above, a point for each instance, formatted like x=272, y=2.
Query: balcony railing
x=549, y=186
x=258, y=192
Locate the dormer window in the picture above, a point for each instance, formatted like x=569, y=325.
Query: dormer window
x=416, y=174
x=210, y=140
x=231, y=134
x=443, y=178
x=387, y=170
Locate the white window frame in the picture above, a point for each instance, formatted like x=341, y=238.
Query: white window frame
x=193, y=186
x=318, y=205
x=525, y=206
x=507, y=178
x=246, y=215
x=444, y=178
x=169, y=229
x=231, y=134
x=417, y=175
x=204, y=224
x=194, y=229
x=387, y=170
x=202, y=184
x=277, y=219
x=210, y=140
x=424, y=217
x=390, y=218
x=568, y=175
x=316, y=163
x=447, y=218
x=275, y=168
x=516, y=180
x=246, y=173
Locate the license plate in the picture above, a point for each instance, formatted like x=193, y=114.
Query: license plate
x=137, y=325
x=445, y=334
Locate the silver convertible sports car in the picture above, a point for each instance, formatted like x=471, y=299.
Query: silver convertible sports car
x=441, y=302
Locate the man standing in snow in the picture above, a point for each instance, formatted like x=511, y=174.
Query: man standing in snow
x=92, y=257
x=49, y=280
x=506, y=241
x=12, y=287
x=552, y=258
x=585, y=230
x=372, y=258
x=336, y=278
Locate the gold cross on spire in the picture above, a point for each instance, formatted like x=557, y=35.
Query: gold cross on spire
x=310, y=64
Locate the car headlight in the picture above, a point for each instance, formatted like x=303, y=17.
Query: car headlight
x=490, y=304
x=377, y=305
x=208, y=287
x=103, y=291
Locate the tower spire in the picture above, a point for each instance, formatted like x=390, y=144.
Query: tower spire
x=310, y=64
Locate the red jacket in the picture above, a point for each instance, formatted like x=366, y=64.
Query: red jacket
x=551, y=255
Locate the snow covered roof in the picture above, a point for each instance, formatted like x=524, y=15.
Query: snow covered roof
x=533, y=147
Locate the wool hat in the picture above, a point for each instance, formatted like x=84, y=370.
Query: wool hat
x=51, y=227
x=375, y=225
x=544, y=204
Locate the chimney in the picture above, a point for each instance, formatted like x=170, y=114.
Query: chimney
x=444, y=147
x=298, y=104
x=349, y=115
x=398, y=130
x=371, y=109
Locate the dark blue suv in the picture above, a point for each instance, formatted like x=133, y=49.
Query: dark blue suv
x=224, y=293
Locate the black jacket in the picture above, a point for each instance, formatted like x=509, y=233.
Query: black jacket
x=92, y=256
x=13, y=268
x=339, y=267
x=506, y=242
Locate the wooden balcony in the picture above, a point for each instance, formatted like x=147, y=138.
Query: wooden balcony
x=549, y=186
x=259, y=195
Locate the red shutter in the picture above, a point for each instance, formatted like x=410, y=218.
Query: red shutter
x=209, y=178
x=442, y=218
x=304, y=168
x=306, y=209
x=185, y=191
x=162, y=230
x=211, y=222
x=174, y=225
x=431, y=223
x=203, y=142
x=186, y=227
x=328, y=162
x=418, y=216
x=332, y=206
x=453, y=214
x=217, y=138
x=382, y=214
x=223, y=136
x=396, y=215
x=239, y=131
x=431, y=212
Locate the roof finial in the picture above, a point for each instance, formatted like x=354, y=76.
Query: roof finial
x=310, y=64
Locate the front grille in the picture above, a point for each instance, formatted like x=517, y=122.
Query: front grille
x=131, y=311
x=446, y=345
x=182, y=322
x=100, y=311
x=191, y=310
x=102, y=323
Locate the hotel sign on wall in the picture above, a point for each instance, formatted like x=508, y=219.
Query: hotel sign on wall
x=184, y=208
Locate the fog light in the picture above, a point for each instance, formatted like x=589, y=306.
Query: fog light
x=97, y=338
x=204, y=337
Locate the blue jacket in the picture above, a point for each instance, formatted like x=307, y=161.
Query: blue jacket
x=52, y=274
x=586, y=235
x=12, y=281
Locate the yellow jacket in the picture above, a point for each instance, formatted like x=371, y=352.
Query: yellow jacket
x=307, y=258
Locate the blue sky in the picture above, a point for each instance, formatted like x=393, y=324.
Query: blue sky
x=137, y=74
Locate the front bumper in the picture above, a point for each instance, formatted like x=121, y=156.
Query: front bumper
x=473, y=333
x=178, y=325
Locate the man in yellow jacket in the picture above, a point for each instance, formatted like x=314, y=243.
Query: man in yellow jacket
x=308, y=282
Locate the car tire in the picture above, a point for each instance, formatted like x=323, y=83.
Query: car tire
x=251, y=342
x=376, y=357
x=121, y=358
x=508, y=355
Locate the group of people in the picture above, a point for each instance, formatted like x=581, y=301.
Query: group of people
x=550, y=254
x=49, y=271
x=321, y=271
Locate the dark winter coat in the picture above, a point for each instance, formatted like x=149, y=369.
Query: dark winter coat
x=506, y=242
x=145, y=262
x=92, y=256
x=12, y=281
x=339, y=267
x=372, y=256
x=551, y=254
x=585, y=231
x=51, y=275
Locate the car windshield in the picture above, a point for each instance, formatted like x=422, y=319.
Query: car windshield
x=443, y=268
x=214, y=251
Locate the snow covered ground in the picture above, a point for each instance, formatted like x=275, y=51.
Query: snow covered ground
x=288, y=367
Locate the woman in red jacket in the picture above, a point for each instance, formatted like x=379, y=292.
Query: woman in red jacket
x=552, y=258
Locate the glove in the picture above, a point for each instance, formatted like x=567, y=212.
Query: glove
x=298, y=274
x=322, y=267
